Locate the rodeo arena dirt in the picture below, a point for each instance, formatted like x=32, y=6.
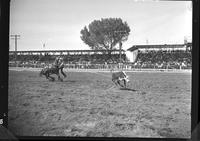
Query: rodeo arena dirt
x=156, y=103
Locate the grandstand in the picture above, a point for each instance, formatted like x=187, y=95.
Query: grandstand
x=174, y=56
x=71, y=57
x=162, y=56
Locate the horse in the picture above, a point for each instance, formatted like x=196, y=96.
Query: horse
x=47, y=71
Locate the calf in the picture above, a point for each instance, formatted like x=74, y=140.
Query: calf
x=120, y=76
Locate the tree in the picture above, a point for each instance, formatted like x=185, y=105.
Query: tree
x=105, y=34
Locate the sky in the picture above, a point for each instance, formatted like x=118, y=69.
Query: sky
x=57, y=23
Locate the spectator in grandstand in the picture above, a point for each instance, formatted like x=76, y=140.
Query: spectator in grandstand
x=183, y=65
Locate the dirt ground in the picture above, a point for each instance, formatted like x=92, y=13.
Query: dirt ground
x=88, y=104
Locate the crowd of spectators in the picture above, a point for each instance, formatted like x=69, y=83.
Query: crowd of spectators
x=149, y=59
x=164, y=59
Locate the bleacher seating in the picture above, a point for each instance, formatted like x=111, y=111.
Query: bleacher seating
x=164, y=59
x=148, y=59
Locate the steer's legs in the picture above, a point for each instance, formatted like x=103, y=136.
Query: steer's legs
x=124, y=83
x=115, y=82
x=118, y=81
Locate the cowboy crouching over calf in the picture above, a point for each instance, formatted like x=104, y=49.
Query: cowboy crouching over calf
x=120, y=76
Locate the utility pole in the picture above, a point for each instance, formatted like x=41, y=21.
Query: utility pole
x=147, y=41
x=120, y=52
x=15, y=37
x=44, y=46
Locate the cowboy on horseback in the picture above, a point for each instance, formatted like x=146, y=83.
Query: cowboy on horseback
x=59, y=63
x=54, y=69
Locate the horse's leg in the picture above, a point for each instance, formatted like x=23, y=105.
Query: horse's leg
x=63, y=72
x=46, y=75
x=51, y=77
x=59, y=78
x=41, y=73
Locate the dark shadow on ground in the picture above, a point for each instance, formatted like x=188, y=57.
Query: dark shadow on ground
x=70, y=81
x=128, y=89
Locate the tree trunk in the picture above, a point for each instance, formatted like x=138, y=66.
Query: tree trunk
x=109, y=55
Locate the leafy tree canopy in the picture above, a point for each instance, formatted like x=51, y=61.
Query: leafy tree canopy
x=105, y=34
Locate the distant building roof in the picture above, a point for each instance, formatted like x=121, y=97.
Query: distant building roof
x=134, y=47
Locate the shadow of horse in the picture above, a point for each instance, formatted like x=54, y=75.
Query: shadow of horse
x=69, y=81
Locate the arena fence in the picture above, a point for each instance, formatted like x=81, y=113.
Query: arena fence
x=103, y=66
